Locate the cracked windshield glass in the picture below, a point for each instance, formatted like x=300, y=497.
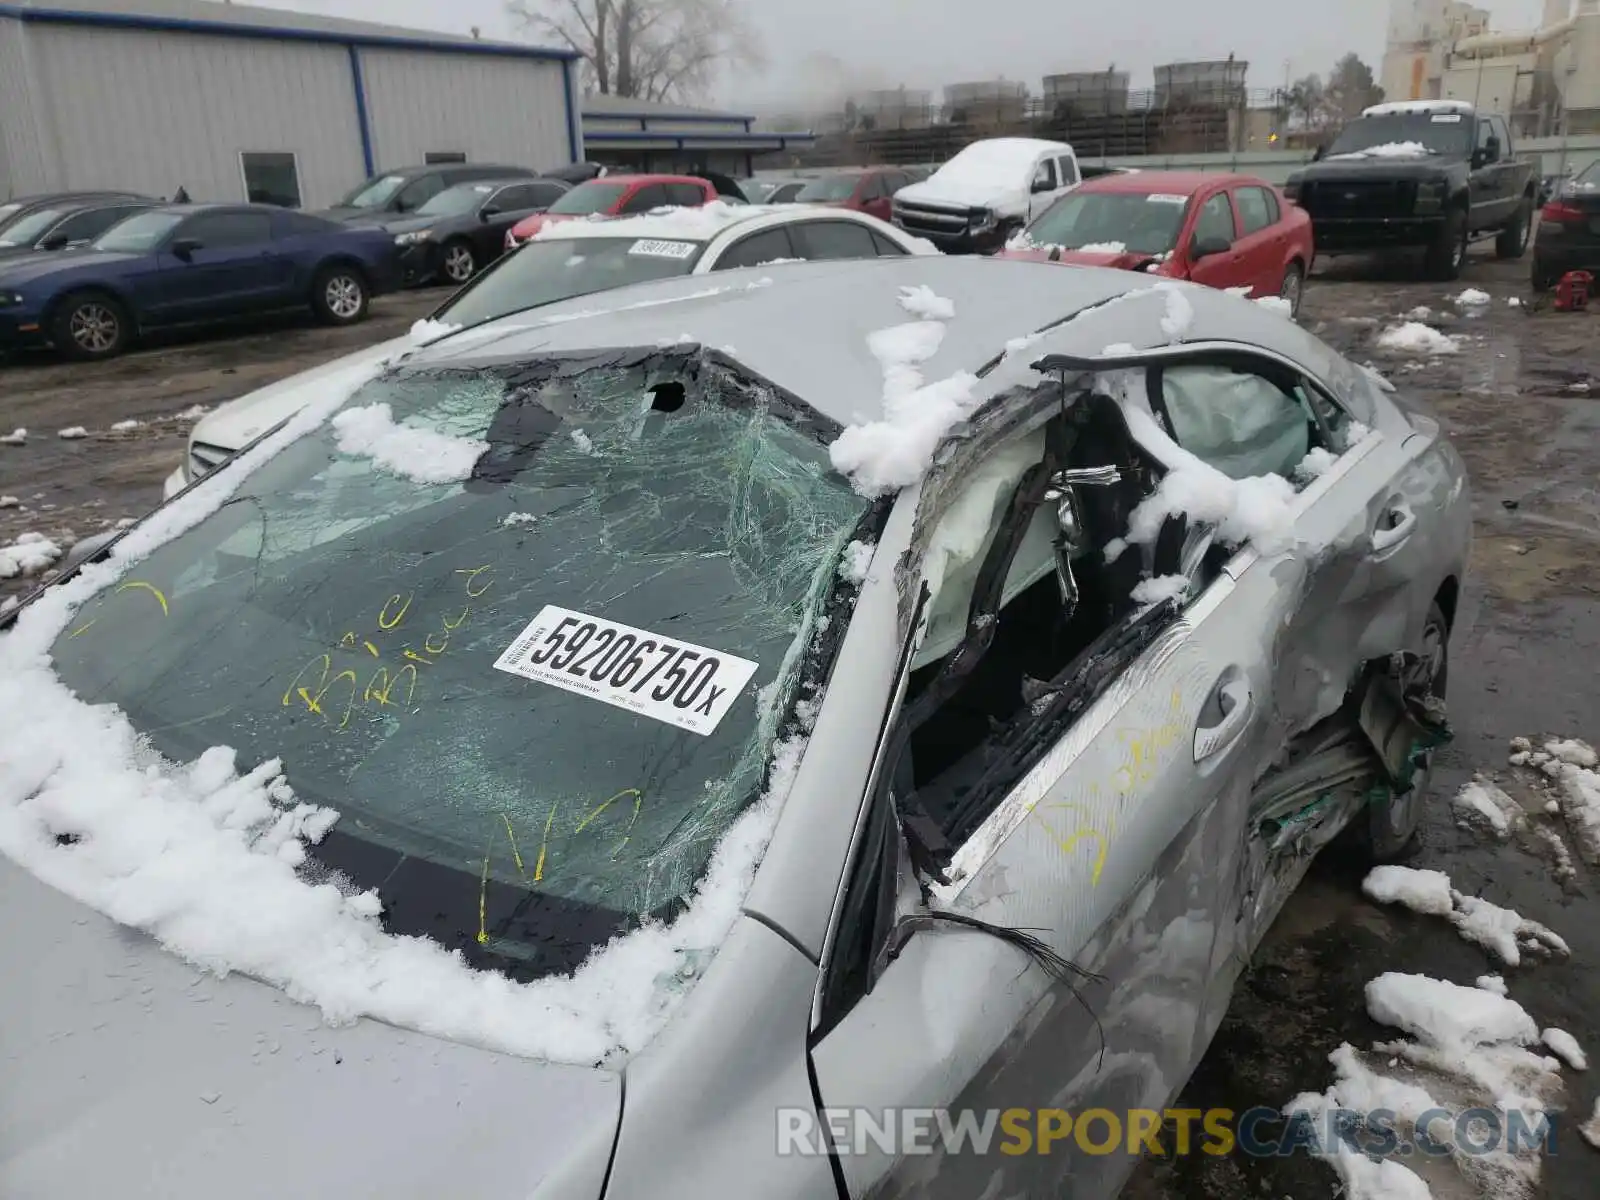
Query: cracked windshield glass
x=529, y=629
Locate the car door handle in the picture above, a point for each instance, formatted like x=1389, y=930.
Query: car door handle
x=1225, y=714
x=1402, y=522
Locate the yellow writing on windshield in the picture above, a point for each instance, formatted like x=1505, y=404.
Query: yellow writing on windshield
x=390, y=685
x=134, y=585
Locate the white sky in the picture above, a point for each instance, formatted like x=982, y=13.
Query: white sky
x=823, y=48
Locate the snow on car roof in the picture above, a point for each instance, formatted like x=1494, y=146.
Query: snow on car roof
x=673, y=224
x=774, y=322
x=1392, y=107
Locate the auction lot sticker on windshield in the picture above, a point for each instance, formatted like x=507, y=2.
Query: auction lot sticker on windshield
x=1447, y=118
x=666, y=679
x=1165, y=198
x=655, y=248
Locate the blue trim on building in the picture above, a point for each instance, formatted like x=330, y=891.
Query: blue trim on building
x=363, y=125
x=689, y=118
x=63, y=16
x=574, y=121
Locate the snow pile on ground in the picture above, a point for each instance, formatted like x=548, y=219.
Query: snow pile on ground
x=1566, y=1048
x=193, y=413
x=1492, y=983
x=1566, y=770
x=428, y=330
x=885, y=455
x=124, y=426
x=199, y=855
x=1471, y=298
x=423, y=455
x=1513, y=302
x=72, y=432
x=1501, y=931
x=28, y=555
x=855, y=561
x=1420, y=313
x=1413, y=337
x=1387, y=150
x=1480, y=802
x=17, y=437
x=1276, y=304
x=9, y=502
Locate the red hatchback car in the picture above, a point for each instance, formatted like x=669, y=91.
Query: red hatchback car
x=1225, y=231
x=865, y=190
x=617, y=196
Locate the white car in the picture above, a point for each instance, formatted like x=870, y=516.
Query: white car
x=574, y=258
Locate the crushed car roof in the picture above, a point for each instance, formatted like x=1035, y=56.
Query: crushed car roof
x=805, y=326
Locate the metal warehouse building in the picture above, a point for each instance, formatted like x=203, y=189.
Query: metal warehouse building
x=231, y=102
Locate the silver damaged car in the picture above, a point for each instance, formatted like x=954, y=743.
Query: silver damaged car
x=1000, y=769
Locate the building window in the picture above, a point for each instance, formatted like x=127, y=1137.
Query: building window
x=270, y=177
x=443, y=156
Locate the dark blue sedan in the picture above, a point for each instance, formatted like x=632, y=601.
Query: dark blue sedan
x=189, y=265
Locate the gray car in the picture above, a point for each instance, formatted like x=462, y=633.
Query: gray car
x=872, y=686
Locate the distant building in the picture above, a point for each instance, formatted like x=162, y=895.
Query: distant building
x=640, y=135
x=893, y=108
x=1213, y=84
x=994, y=101
x=1088, y=91
x=1420, y=35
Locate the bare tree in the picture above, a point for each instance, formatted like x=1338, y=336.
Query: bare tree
x=649, y=49
x=1350, y=89
x=1304, y=100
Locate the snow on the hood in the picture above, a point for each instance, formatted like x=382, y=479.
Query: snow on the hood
x=422, y=455
x=1501, y=931
x=428, y=330
x=72, y=432
x=1276, y=304
x=17, y=437
x=582, y=441
x=921, y=302
x=1179, y=315
x=1471, y=298
x=1102, y=248
x=1413, y=337
x=992, y=173
x=1315, y=463
x=125, y=425
x=1386, y=150
x=512, y=520
x=1566, y=1048
x=202, y=856
x=885, y=455
x=28, y=555
x=856, y=560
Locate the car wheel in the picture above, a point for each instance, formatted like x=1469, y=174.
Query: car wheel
x=1293, y=287
x=457, y=262
x=339, y=295
x=1448, y=253
x=1393, y=827
x=90, y=325
x=1513, y=239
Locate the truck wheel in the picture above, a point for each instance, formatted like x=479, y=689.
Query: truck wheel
x=1513, y=239
x=1449, y=250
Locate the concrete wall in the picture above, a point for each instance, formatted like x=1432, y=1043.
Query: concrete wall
x=1275, y=166
x=501, y=110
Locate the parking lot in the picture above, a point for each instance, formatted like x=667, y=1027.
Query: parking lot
x=1521, y=397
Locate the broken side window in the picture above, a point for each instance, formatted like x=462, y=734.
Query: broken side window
x=1242, y=421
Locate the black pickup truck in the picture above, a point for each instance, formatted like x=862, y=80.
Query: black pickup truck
x=1434, y=174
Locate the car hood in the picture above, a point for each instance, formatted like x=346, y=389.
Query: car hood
x=239, y=422
x=1005, y=197
x=30, y=267
x=132, y=1074
x=405, y=224
x=1125, y=260
x=1422, y=166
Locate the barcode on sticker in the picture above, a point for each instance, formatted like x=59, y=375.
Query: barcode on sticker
x=653, y=248
x=663, y=678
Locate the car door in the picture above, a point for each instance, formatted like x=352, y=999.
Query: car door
x=1043, y=188
x=1114, y=849
x=235, y=267
x=1506, y=190
x=1261, y=240
x=1214, y=218
x=1487, y=199
x=1341, y=594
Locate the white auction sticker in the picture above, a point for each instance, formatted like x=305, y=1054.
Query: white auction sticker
x=1447, y=118
x=1165, y=198
x=653, y=248
x=665, y=679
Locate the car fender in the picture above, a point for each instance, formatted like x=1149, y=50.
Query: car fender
x=89, y=282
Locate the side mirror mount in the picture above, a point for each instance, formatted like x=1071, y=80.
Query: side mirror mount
x=488, y=211
x=1206, y=246
x=184, y=248
x=56, y=241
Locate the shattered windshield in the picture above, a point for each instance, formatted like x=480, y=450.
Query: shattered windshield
x=530, y=629
x=1113, y=221
x=1435, y=132
x=549, y=269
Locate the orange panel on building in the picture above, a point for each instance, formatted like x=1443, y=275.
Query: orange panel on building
x=1417, y=68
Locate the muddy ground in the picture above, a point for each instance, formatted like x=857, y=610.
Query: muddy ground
x=1518, y=402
